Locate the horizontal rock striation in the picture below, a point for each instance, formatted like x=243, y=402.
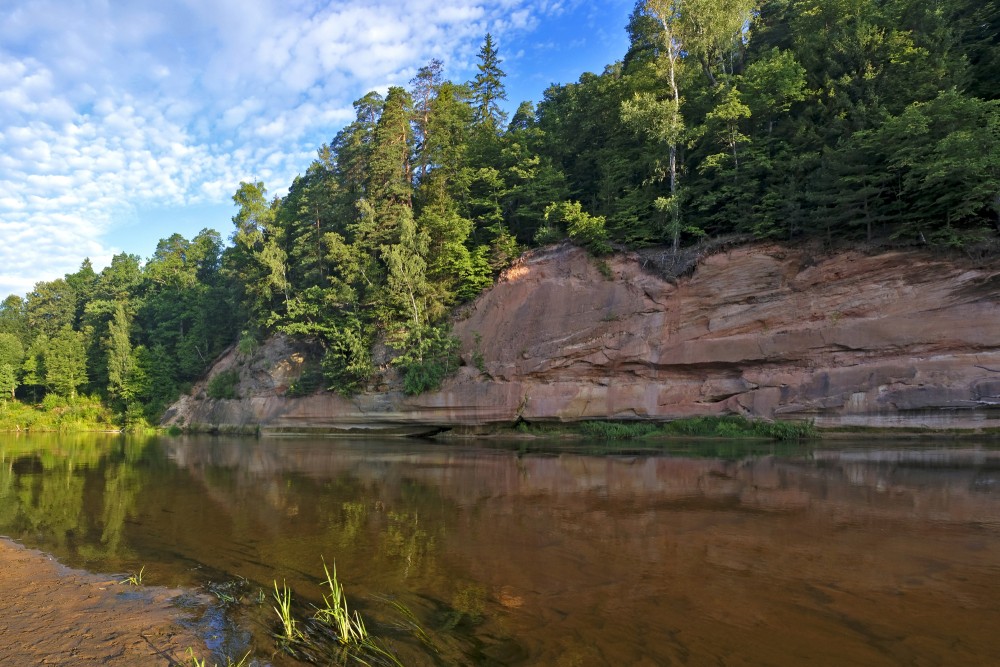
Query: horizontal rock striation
x=899, y=339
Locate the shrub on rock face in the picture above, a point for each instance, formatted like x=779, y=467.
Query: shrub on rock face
x=224, y=384
x=347, y=364
x=431, y=355
x=582, y=228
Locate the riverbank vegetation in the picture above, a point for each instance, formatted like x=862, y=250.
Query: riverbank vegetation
x=865, y=122
x=725, y=426
x=56, y=413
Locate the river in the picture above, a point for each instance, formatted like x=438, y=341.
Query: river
x=534, y=553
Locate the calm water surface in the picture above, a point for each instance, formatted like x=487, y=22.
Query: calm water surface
x=706, y=554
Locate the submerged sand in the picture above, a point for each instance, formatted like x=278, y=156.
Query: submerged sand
x=53, y=615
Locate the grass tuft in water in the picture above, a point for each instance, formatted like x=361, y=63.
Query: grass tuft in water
x=334, y=635
x=195, y=662
x=284, y=611
x=231, y=592
x=350, y=629
x=134, y=579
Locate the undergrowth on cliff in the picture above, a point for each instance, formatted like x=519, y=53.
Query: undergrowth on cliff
x=309, y=382
x=431, y=355
x=223, y=385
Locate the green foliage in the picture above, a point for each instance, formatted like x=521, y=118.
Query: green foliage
x=51, y=306
x=134, y=579
x=8, y=380
x=11, y=350
x=289, y=626
x=309, y=382
x=11, y=360
x=66, y=362
x=430, y=354
x=333, y=623
x=195, y=662
x=248, y=344
x=547, y=234
x=14, y=318
x=349, y=627
x=618, y=430
x=121, y=361
x=581, y=227
x=223, y=385
x=477, y=354
x=347, y=364
x=734, y=426
x=56, y=413
x=487, y=88
x=727, y=426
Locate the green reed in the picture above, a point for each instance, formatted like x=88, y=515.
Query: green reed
x=350, y=628
x=284, y=611
x=134, y=579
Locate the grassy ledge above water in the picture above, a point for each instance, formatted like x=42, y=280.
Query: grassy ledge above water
x=729, y=426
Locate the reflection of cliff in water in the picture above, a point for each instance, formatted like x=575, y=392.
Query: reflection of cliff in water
x=878, y=557
x=936, y=484
x=867, y=556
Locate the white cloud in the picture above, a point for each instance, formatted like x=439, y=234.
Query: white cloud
x=109, y=108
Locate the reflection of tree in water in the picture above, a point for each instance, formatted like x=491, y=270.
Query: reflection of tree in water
x=49, y=487
x=122, y=482
x=53, y=505
x=355, y=519
x=406, y=537
x=406, y=540
x=8, y=507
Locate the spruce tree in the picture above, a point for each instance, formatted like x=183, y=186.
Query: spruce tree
x=488, y=89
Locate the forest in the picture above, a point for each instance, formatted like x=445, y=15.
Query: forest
x=871, y=123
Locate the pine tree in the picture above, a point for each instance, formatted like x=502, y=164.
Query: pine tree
x=488, y=89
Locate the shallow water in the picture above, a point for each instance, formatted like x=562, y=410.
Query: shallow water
x=711, y=553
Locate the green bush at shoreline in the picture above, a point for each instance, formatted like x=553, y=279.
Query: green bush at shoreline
x=55, y=413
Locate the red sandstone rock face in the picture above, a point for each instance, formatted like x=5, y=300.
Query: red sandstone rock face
x=897, y=339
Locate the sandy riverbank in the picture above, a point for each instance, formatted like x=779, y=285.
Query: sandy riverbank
x=53, y=615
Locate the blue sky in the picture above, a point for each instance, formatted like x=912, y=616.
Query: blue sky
x=124, y=121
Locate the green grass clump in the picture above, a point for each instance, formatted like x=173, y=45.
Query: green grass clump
x=334, y=635
x=134, y=579
x=195, y=662
x=350, y=629
x=619, y=430
x=736, y=426
x=284, y=612
x=728, y=426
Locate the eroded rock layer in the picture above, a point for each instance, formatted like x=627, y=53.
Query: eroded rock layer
x=897, y=339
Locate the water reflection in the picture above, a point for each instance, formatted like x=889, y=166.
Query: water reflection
x=766, y=556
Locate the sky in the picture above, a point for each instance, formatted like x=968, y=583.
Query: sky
x=125, y=121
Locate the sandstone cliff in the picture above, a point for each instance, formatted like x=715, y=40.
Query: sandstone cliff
x=897, y=339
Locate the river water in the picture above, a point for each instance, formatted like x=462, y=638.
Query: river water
x=547, y=554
